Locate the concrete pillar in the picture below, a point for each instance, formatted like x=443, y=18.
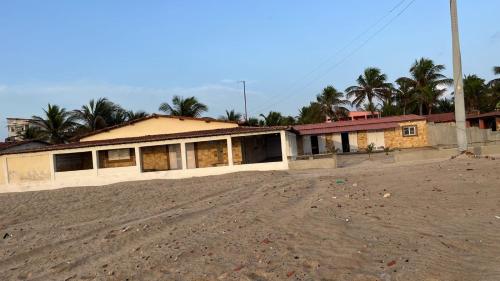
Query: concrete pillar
x=52, y=165
x=138, y=162
x=284, y=148
x=229, y=151
x=183, y=155
x=95, y=162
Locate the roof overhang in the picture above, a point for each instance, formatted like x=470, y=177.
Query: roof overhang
x=344, y=129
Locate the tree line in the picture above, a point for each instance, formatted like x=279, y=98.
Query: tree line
x=421, y=92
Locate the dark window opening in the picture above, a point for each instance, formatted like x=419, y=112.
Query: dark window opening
x=73, y=162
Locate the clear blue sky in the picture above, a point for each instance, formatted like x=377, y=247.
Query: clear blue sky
x=141, y=53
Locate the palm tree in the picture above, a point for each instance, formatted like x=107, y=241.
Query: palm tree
x=313, y=113
x=189, y=107
x=333, y=103
x=134, y=115
x=445, y=105
x=371, y=85
x=405, y=94
x=231, y=116
x=273, y=118
x=57, y=126
x=97, y=114
x=474, y=92
x=31, y=133
x=428, y=82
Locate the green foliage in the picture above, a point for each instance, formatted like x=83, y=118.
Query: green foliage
x=370, y=148
x=371, y=85
x=274, y=118
x=313, y=113
x=332, y=103
x=231, y=116
x=445, y=105
x=189, y=107
x=57, y=125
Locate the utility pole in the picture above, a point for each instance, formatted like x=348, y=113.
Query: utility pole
x=245, y=98
x=457, y=81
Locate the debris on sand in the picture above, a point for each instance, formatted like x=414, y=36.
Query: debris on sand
x=7, y=235
x=340, y=181
x=391, y=263
x=238, y=268
x=497, y=217
x=387, y=195
x=265, y=241
x=290, y=274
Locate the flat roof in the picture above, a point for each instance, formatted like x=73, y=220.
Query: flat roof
x=153, y=138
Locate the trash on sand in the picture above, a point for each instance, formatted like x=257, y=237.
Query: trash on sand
x=314, y=207
x=391, y=263
x=387, y=195
x=239, y=268
x=498, y=217
x=6, y=236
x=340, y=181
x=355, y=184
x=265, y=241
x=290, y=274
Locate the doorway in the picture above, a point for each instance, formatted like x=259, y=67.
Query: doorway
x=314, y=145
x=345, y=142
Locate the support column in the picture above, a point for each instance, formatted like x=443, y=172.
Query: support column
x=52, y=165
x=95, y=162
x=284, y=148
x=183, y=155
x=482, y=124
x=229, y=151
x=138, y=159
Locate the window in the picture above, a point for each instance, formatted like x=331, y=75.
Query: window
x=409, y=131
x=119, y=154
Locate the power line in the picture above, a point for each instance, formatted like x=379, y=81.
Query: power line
x=338, y=63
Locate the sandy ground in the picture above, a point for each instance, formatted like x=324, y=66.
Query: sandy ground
x=438, y=224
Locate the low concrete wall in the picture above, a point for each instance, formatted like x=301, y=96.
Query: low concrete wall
x=322, y=163
x=445, y=134
x=444, y=153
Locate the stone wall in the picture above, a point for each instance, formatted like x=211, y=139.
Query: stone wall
x=237, y=151
x=211, y=153
x=362, y=140
x=104, y=161
x=394, y=137
x=155, y=158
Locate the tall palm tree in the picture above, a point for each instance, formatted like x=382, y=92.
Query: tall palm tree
x=371, y=85
x=189, y=107
x=232, y=116
x=333, y=103
x=97, y=114
x=57, y=126
x=428, y=83
x=405, y=94
x=31, y=133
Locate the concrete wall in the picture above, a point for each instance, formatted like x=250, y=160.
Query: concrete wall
x=3, y=170
x=377, y=138
x=353, y=141
x=160, y=125
x=28, y=168
x=444, y=134
x=322, y=163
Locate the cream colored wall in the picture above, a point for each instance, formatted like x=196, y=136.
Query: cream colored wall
x=28, y=168
x=2, y=171
x=158, y=126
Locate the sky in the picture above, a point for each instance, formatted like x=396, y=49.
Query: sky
x=142, y=53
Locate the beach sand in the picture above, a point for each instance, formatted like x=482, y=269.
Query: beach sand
x=438, y=220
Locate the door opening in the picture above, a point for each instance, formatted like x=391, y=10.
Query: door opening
x=314, y=145
x=345, y=142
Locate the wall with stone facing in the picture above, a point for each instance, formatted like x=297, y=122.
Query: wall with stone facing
x=104, y=161
x=394, y=137
x=155, y=158
x=237, y=151
x=362, y=141
x=211, y=153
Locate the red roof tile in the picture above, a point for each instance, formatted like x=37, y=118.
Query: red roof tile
x=356, y=125
x=152, y=138
x=450, y=116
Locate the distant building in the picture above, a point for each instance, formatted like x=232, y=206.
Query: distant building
x=358, y=115
x=16, y=128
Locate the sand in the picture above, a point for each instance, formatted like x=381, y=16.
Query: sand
x=437, y=223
